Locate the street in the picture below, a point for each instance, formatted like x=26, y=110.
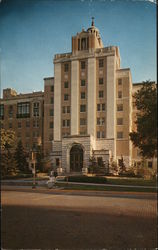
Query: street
x=77, y=220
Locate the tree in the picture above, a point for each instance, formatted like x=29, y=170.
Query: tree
x=39, y=159
x=8, y=142
x=145, y=137
x=21, y=158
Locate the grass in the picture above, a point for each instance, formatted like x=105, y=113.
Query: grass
x=103, y=188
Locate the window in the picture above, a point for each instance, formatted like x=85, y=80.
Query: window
x=119, y=135
x=82, y=121
x=83, y=43
x=57, y=162
x=78, y=44
x=100, y=121
x=52, y=88
x=119, y=94
x=101, y=63
x=52, y=100
x=101, y=107
x=83, y=65
x=66, y=85
x=27, y=134
x=35, y=134
x=66, y=67
x=66, y=123
x=83, y=95
x=150, y=164
x=100, y=134
x=1, y=125
x=83, y=83
x=50, y=137
x=119, y=107
x=68, y=109
x=51, y=112
x=1, y=111
x=36, y=123
x=23, y=110
x=27, y=124
x=19, y=135
x=119, y=121
x=66, y=97
x=82, y=108
x=83, y=132
x=101, y=81
x=19, y=124
x=51, y=125
x=100, y=161
x=36, y=109
x=10, y=125
x=101, y=94
x=119, y=81
x=10, y=111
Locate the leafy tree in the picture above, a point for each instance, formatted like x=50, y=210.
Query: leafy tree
x=39, y=159
x=8, y=141
x=145, y=137
x=21, y=158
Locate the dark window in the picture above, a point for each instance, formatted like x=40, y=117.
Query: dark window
x=19, y=124
x=82, y=108
x=52, y=88
x=83, y=95
x=119, y=121
x=100, y=161
x=98, y=134
x=150, y=164
x=66, y=97
x=10, y=111
x=57, y=162
x=119, y=107
x=27, y=124
x=78, y=44
x=103, y=106
x=68, y=123
x=119, y=135
x=101, y=63
x=51, y=112
x=64, y=123
x=50, y=137
x=1, y=111
x=64, y=110
x=68, y=109
x=10, y=125
x=23, y=110
x=119, y=81
x=36, y=123
x=51, y=125
x=119, y=94
x=36, y=109
x=66, y=67
x=82, y=121
x=83, y=43
x=83, y=65
x=101, y=81
x=101, y=94
x=83, y=83
x=98, y=107
x=1, y=125
x=52, y=100
x=66, y=85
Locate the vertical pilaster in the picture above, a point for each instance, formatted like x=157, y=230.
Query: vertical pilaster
x=111, y=101
x=57, y=102
x=91, y=110
x=74, y=97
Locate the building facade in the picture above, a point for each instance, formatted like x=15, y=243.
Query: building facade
x=86, y=109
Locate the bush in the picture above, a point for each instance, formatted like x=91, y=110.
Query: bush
x=87, y=179
x=14, y=177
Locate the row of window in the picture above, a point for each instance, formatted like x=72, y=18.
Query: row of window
x=83, y=65
x=23, y=110
x=19, y=125
x=34, y=134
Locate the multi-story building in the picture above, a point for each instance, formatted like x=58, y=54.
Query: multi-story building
x=23, y=113
x=86, y=108
x=93, y=104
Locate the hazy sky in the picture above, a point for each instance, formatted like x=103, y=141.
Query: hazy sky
x=33, y=31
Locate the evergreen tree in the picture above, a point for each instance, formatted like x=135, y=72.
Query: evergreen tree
x=21, y=158
x=145, y=137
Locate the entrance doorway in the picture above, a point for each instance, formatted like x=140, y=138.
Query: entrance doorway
x=76, y=158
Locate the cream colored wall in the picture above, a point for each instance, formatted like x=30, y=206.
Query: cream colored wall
x=57, y=101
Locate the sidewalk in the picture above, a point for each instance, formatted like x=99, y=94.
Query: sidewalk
x=44, y=183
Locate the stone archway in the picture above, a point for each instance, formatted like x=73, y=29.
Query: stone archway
x=76, y=158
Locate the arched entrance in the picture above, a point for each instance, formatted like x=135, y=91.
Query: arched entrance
x=76, y=158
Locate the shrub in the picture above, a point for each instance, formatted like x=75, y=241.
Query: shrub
x=87, y=179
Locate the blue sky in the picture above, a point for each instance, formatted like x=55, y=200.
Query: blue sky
x=33, y=31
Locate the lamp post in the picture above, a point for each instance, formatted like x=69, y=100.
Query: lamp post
x=33, y=160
